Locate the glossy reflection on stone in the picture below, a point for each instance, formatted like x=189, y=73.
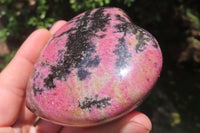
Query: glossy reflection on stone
x=96, y=68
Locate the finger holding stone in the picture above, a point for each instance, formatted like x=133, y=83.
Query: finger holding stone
x=14, y=77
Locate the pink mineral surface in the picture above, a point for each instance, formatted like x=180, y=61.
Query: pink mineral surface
x=96, y=68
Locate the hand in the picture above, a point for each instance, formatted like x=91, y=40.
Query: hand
x=15, y=117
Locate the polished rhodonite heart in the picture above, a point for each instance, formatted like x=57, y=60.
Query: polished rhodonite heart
x=96, y=68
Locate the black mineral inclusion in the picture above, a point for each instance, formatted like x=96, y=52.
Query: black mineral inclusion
x=81, y=52
x=87, y=103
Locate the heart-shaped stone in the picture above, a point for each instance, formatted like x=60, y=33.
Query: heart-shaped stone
x=96, y=68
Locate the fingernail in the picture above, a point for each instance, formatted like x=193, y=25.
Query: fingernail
x=134, y=127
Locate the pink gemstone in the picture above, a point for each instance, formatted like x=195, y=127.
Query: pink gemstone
x=96, y=68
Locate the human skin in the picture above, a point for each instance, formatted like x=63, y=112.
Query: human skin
x=15, y=117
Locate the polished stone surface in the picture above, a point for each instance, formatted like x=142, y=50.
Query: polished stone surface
x=96, y=68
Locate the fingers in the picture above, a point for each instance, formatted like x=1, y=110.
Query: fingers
x=6, y=130
x=47, y=127
x=134, y=122
x=14, y=77
x=57, y=26
x=137, y=123
x=25, y=116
